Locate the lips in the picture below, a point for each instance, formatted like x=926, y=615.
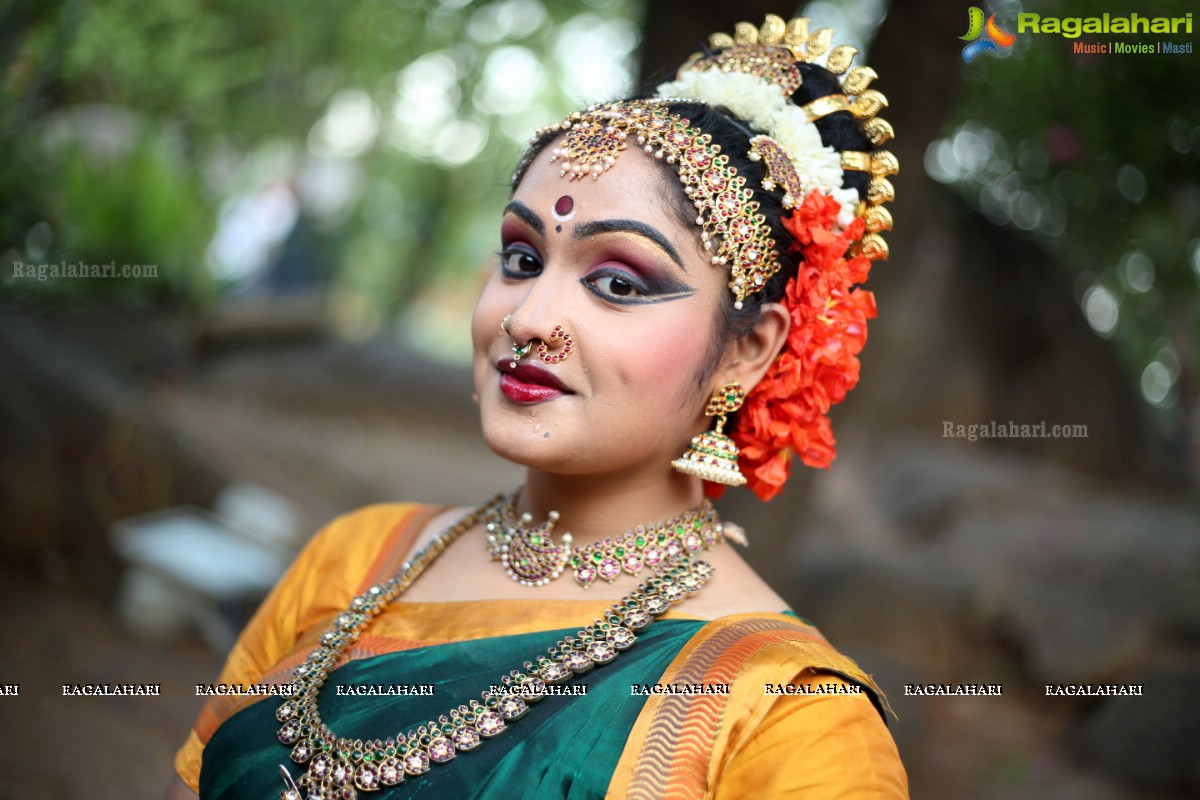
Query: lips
x=525, y=383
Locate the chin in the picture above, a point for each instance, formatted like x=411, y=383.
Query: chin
x=528, y=450
x=519, y=434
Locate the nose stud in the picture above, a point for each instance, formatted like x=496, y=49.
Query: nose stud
x=520, y=351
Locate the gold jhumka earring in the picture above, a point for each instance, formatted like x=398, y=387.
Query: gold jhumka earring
x=712, y=455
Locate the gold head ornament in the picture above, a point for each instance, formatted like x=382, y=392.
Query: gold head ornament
x=770, y=51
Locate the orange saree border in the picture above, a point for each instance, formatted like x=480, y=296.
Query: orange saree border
x=670, y=752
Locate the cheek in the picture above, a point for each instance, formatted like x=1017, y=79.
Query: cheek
x=485, y=321
x=664, y=366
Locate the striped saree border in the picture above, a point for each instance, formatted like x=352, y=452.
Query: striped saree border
x=671, y=745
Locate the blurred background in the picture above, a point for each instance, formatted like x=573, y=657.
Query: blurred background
x=307, y=196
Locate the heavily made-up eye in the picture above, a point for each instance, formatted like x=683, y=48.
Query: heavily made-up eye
x=520, y=261
x=623, y=287
x=614, y=285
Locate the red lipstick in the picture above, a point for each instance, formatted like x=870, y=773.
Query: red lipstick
x=527, y=384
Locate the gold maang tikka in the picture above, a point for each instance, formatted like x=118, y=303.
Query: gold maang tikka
x=712, y=455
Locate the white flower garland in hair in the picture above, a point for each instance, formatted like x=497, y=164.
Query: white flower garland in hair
x=763, y=106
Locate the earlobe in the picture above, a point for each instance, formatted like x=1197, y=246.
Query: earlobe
x=752, y=354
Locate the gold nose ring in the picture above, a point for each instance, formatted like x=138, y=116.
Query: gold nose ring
x=557, y=335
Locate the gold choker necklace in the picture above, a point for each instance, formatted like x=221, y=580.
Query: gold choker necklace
x=532, y=558
x=338, y=768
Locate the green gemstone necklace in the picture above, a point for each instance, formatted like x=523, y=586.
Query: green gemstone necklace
x=531, y=557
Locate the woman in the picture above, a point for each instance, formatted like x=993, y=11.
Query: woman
x=665, y=261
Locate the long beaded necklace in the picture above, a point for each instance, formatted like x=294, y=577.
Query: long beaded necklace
x=532, y=558
x=339, y=767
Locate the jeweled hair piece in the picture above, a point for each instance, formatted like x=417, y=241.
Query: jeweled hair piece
x=770, y=53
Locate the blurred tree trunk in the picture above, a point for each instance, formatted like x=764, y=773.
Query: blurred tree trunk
x=83, y=441
x=977, y=323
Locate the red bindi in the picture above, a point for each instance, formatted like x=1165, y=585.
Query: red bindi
x=564, y=208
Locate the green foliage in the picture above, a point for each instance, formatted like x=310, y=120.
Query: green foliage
x=1098, y=158
x=205, y=104
x=151, y=206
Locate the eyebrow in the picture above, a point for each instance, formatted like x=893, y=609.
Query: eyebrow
x=526, y=214
x=631, y=226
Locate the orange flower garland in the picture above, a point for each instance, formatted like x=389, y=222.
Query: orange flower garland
x=787, y=412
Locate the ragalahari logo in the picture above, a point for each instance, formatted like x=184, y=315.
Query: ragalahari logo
x=982, y=38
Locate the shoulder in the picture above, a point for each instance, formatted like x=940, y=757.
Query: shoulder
x=376, y=518
x=735, y=588
x=355, y=547
x=367, y=529
x=778, y=645
x=770, y=652
x=754, y=635
x=819, y=735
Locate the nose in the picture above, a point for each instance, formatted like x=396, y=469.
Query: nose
x=543, y=311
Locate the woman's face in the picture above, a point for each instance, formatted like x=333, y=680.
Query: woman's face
x=611, y=262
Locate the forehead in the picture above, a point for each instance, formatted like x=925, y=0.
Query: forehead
x=636, y=187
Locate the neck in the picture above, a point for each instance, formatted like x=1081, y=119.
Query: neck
x=593, y=507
